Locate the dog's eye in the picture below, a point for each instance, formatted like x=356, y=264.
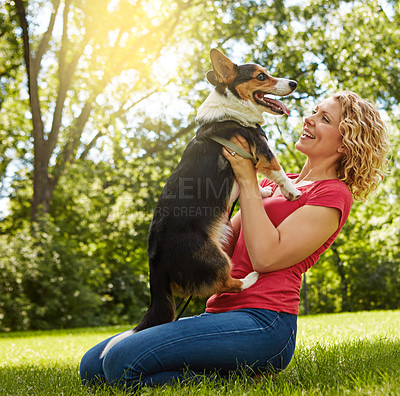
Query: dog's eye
x=262, y=77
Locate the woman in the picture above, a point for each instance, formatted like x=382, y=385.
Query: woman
x=345, y=142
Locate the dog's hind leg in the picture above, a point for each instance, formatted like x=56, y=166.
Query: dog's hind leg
x=249, y=280
x=232, y=285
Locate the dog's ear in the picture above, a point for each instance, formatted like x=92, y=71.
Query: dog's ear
x=211, y=78
x=224, y=68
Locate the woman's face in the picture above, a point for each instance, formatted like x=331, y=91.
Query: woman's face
x=321, y=137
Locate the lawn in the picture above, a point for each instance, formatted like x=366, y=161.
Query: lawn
x=336, y=354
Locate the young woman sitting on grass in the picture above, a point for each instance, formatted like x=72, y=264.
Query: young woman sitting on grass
x=345, y=142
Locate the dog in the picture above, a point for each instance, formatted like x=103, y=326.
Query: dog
x=185, y=245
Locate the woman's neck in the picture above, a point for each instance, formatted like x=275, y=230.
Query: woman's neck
x=312, y=173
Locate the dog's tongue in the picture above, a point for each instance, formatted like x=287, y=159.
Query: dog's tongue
x=277, y=104
x=282, y=106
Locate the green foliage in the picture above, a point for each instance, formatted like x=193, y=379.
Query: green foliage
x=11, y=123
x=45, y=282
x=10, y=49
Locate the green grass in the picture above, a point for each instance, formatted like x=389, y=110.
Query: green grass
x=336, y=354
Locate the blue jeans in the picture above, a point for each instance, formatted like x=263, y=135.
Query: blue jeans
x=222, y=342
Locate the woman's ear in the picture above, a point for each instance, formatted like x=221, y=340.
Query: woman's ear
x=342, y=150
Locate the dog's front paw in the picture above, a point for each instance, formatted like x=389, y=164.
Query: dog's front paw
x=266, y=191
x=290, y=193
x=249, y=280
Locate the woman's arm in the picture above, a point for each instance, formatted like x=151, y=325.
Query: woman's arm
x=299, y=235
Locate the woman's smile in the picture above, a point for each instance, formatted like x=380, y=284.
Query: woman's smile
x=307, y=134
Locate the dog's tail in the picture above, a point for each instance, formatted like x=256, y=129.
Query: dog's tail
x=162, y=305
x=161, y=310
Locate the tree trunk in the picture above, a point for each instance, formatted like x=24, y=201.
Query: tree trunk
x=42, y=185
x=344, y=283
x=41, y=190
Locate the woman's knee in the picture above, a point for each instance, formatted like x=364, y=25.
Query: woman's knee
x=116, y=371
x=90, y=369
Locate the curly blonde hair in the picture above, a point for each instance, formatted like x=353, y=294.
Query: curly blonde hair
x=365, y=137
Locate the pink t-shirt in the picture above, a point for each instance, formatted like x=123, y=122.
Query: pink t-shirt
x=280, y=290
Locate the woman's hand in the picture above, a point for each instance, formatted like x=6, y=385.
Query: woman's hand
x=243, y=169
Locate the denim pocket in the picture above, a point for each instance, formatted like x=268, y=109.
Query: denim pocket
x=282, y=359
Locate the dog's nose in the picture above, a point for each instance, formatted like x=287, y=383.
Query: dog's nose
x=292, y=84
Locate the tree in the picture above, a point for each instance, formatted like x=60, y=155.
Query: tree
x=96, y=45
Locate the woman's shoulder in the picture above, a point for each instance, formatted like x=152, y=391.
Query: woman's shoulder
x=331, y=193
x=331, y=186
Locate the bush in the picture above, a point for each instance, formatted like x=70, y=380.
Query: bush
x=46, y=283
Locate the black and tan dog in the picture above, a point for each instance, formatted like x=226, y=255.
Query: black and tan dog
x=190, y=221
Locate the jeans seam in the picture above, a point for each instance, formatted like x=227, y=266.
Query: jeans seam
x=292, y=334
